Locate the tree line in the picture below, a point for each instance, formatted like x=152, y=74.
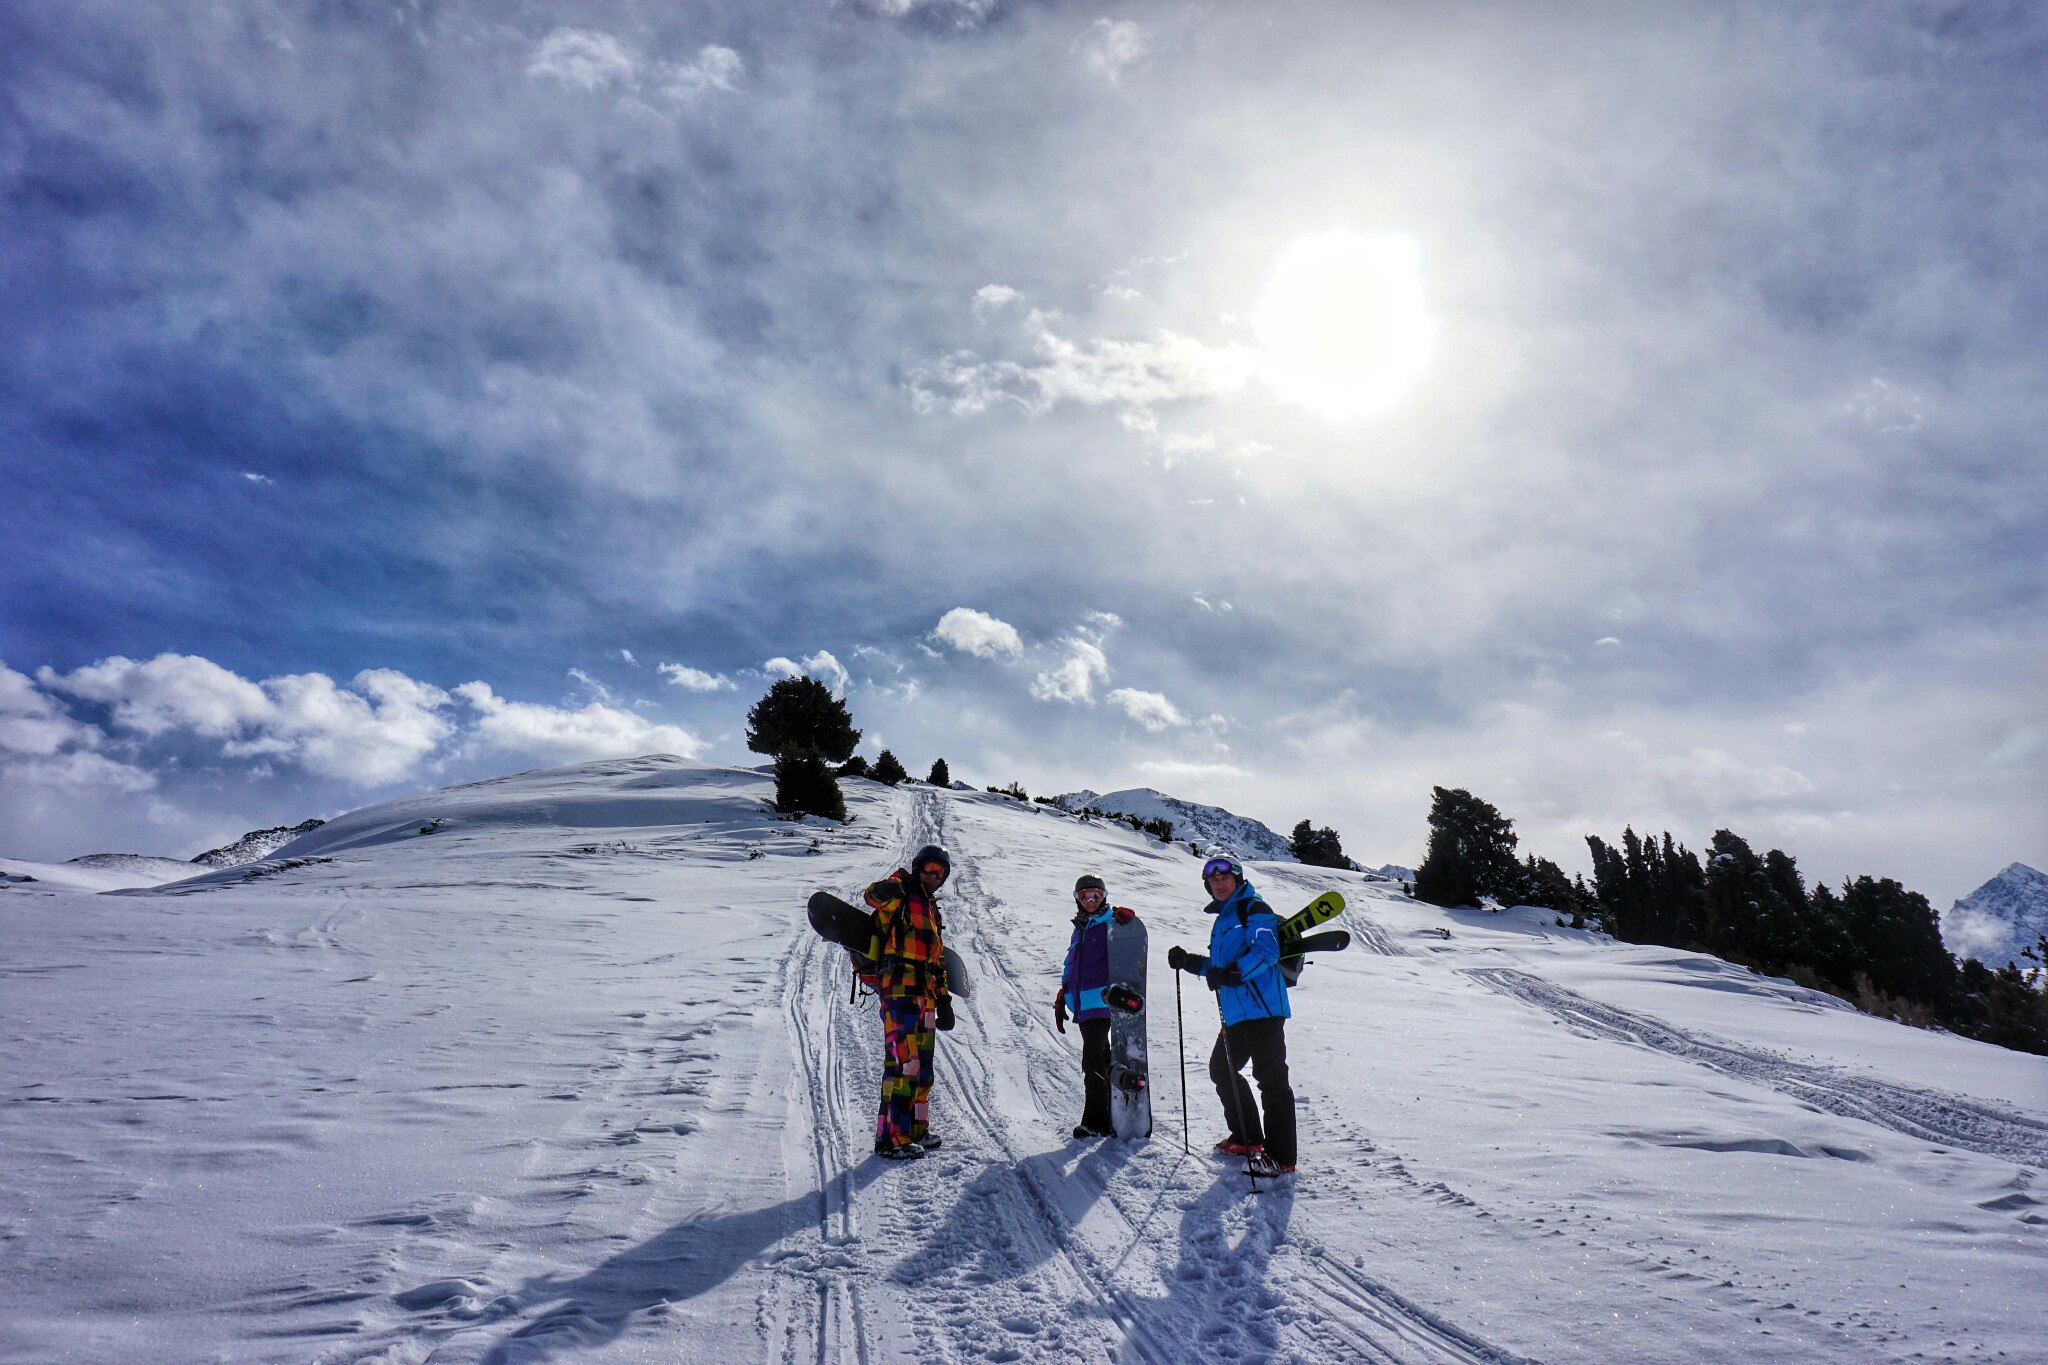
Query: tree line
x=1873, y=943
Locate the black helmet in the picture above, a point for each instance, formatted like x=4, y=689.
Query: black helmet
x=932, y=853
x=1088, y=881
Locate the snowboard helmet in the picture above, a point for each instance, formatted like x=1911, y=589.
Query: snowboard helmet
x=932, y=853
x=1088, y=881
x=1222, y=862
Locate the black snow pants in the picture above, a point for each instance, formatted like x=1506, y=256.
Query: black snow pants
x=1263, y=1043
x=1094, y=1073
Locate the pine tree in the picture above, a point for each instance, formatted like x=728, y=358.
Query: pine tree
x=857, y=766
x=941, y=775
x=1471, y=851
x=1317, y=847
x=801, y=714
x=805, y=786
x=888, y=769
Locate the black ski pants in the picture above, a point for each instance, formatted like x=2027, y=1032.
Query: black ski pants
x=1094, y=1073
x=1263, y=1043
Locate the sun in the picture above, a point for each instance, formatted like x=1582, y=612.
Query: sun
x=1344, y=326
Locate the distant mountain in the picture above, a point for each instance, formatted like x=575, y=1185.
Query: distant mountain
x=1214, y=829
x=1395, y=871
x=1994, y=922
x=254, y=846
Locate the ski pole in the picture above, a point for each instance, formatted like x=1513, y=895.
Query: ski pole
x=1236, y=1094
x=1180, y=1036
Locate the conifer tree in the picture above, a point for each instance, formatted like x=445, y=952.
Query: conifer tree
x=1471, y=851
x=941, y=775
x=857, y=766
x=1317, y=847
x=888, y=769
x=805, y=786
x=802, y=714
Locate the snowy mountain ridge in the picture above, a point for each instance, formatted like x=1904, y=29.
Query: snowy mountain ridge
x=254, y=846
x=551, y=1067
x=2001, y=917
x=1213, y=828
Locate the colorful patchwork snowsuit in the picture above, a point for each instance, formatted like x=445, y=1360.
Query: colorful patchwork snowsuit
x=910, y=974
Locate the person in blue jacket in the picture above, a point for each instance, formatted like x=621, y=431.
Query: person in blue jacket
x=1243, y=967
x=1083, y=980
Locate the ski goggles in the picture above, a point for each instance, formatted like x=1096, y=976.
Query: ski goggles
x=1217, y=866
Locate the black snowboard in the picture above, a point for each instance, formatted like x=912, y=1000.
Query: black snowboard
x=853, y=928
x=1294, y=958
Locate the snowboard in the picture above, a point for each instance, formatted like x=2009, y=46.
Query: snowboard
x=853, y=929
x=1130, y=1088
x=1321, y=910
x=1329, y=941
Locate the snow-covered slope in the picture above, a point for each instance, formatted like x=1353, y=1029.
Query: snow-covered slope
x=1998, y=919
x=95, y=872
x=256, y=844
x=1215, y=829
x=569, y=1079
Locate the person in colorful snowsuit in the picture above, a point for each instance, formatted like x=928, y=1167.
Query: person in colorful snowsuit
x=909, y=977
x=1243, y=967
x=1083, y=980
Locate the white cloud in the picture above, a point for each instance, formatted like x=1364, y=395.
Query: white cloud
x=713, y=68
x=991, y=297
x=822, y=666
x=1219, y=606
x=585, y=59
x=42, y=746
x=1113, y=44
x=965, y=14
x=169, y=692
x=377, y=733
x=1171, y=770
x=695, y=679
x=1170, y=367
x=591, y=732
x=1122, y=293
x=264, y=479
x=1609, y=641
x=596, y=688
x=1150, y=709
x=1074, y=678
x=979, y=634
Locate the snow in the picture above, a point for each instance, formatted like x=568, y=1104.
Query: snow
x=1215, y=829
x=95, y=872
x=570, y=1078
x=2000, y=918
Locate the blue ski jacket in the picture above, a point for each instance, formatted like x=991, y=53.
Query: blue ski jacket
x=1246, y=935
x=1086, y=974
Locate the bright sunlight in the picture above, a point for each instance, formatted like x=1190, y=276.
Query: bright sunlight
x=1344, y=325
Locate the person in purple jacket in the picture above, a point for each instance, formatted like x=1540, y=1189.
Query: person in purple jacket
x=1082, y=983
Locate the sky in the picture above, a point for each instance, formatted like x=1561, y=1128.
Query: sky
x=1631, y=417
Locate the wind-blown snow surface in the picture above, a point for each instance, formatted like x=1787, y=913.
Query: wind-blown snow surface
x=568, y=1079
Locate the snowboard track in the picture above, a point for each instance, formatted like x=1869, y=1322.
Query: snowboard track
x=1929, y=1115
x=1343, y=1298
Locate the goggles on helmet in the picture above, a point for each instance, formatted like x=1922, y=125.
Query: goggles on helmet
x=1215, y=866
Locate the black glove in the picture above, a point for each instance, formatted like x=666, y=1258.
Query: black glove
x=945, y=1013
x=1059, y=1011
x=1177, y=957
x=1219, y=977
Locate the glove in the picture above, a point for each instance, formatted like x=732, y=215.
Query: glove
x=1123, y=914
x=1059, y=1011
x=1181, y=960
x=1219, y=977
x=945, y=1013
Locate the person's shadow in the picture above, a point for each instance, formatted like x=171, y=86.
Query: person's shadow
x=1220, y=1280
x=679, y=1264
x=975, y=1247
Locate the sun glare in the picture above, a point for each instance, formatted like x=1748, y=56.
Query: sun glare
x=1344, y=326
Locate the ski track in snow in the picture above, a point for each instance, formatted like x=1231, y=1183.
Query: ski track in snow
x=1930, y=1115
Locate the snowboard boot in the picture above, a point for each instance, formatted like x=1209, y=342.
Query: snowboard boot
x=1082, y=1130
x=1263, y=1166
x=931, y=1142
x=909, y=1151
x=1230, y=1146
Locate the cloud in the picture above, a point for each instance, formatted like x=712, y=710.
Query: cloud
x=991, y=297
x=261, y=479
x=979, y=634
x=1149, y=709
x=1170, y=770
x=585, y=59
x=627, y=655
x=713, y=68
x=592, y=685
x=696, y=679
x=1111, y=45
x=591, y=60
x=377, y=733
x=1133, y=375
x=591, y=732
x=41, y=746
x=958, y=14
x=822, y=666
x=1073, y=679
